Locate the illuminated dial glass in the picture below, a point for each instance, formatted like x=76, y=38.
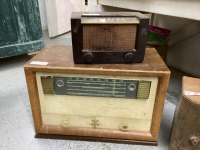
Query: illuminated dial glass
x=132, y=87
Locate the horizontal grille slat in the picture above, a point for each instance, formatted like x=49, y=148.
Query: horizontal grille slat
x=143, y=90
x=91, y=94
x=96, y=88
x=47, y=85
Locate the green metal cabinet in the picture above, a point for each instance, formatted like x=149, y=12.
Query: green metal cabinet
x=20, y=27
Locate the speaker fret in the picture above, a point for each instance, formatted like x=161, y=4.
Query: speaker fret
x=47, y=84
x=143, y=90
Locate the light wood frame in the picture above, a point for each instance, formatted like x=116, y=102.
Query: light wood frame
x=163, y=79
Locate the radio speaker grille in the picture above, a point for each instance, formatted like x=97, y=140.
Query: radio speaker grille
x=143, y=90
x=47, y=84
x=109, y=36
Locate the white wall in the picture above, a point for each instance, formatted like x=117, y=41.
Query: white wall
x=185, y=55
x=172, y=23
x=43, y=15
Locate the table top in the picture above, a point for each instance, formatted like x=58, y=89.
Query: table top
x=61, y=57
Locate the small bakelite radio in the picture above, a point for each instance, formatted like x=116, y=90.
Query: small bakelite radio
x=109, y=37
x=99, y=102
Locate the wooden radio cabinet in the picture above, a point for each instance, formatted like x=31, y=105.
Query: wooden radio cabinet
x=109, y=37
x=101, y=102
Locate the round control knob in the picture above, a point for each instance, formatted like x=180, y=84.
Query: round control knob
x=132, y=87
x=194, y=140
x=88, y=57
x=65, y=123
x=129, y=57
x=60, y=83
x=123, y=127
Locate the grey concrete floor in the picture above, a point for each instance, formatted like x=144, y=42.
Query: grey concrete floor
x=16, y=124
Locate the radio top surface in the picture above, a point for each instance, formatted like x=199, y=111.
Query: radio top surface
x=60, y=57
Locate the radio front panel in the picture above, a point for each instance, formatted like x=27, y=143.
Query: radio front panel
x=97, y=87
x=122, y=103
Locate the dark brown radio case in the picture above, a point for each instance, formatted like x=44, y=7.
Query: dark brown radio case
x=109, y=37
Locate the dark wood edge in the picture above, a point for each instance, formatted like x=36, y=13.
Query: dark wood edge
x=106, y=51
x=95, y=139
x=159, y=105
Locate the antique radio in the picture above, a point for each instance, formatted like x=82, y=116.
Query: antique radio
x=100, y=102
x=109, y=37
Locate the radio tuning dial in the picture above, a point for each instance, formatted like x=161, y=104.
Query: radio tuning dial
x=60, y=83
x=88, y=57
x=129, y=57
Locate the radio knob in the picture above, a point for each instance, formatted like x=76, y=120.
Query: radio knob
x=132, y=87
x=129, y=57
x=124, y=127
x=60, y=83
x=65, y=123
x=88, y=57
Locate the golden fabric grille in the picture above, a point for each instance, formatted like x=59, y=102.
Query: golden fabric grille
x=109, y=36
x=143, y=90
x=47, y=84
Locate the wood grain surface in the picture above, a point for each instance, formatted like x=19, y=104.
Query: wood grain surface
x=159, y=105
x=193, y=85
x=34, y=98
x=95, y=139
x=108, y=133
x=60, y=60
x=187, y=120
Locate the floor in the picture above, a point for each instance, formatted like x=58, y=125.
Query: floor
x=16, y=124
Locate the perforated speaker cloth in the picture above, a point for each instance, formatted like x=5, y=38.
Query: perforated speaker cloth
x=109, y=36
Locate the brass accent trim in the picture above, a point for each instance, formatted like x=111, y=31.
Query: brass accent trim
x=109, y=20
x=95, y=123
